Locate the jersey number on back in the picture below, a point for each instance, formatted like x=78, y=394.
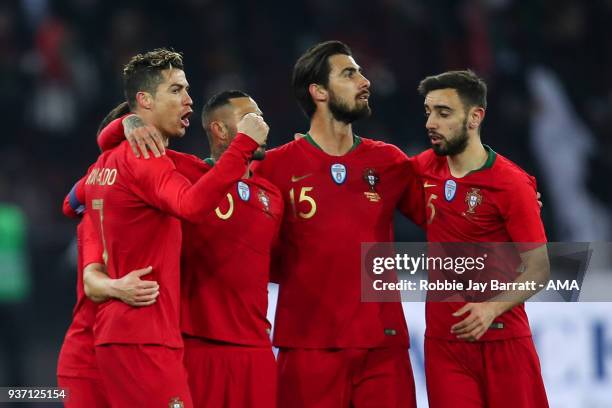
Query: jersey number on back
x=98, y=204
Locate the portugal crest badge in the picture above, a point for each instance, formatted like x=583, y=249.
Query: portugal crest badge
x=371, y=178
x=473, y=198
x=264, y=200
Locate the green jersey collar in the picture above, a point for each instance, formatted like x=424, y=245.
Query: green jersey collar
x=356, y=142
x=491, y=156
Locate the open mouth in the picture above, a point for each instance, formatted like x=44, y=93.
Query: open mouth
x=364, y=96
x=185, y=119
x=435, y=138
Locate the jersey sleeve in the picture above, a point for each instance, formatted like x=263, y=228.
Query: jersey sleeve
x=265, y=167
x=412, y=203
x=74, y=202
x=112, y=135
x=163, y=186
x=188, y=165
x=521, y=212
x=91, y=242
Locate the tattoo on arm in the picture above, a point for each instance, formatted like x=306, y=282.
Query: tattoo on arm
x=132, y=122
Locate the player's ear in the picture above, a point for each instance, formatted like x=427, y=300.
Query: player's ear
x=476, y=117
x=219, y=130
x=144, y=99
x=318, y=93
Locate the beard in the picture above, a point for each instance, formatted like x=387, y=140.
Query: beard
x=454, y=145
x=342, y=113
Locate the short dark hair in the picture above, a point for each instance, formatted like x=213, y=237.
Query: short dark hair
x=313, y=68
x=117, y=112
x=471, y=88
x=144, y=72
x=215, y=102
x=219, y=100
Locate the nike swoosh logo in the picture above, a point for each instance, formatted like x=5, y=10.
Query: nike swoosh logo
x=295, y=179
x=427, y=185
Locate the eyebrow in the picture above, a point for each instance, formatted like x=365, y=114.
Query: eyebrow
x=179, y=85
x=439, y=107
x=350, y=69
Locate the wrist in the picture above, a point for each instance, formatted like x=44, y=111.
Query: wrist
x=113, y=288
x=245, y=141
x=500, y=308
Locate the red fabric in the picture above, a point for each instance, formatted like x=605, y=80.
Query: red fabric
x=230, y=376
x=112, y=135
x=318, y=261
x=373, y=378
x=137, y=375
x=83, y=392
x=76, y=358
x=500, y=374
x=508, y=212
x=225, y=263
x=79, y=193
x=141, y=200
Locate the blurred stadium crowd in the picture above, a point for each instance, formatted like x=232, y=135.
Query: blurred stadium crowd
x=547, y=63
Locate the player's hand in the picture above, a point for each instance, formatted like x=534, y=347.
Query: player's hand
x=478, y=321
x=143, y=138
x=255, y=127
x=134, y=291
x=538, y=197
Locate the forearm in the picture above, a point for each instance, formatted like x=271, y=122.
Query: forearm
x=112, y=135
x=202, y=197
x=536, y=272
x=97, y=284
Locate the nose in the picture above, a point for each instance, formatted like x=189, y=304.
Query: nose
x=365, y=82
x=430, y=124
x=187, y=100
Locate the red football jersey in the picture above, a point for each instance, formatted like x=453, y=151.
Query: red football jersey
x=112, y=135
x=332, y=205
x=135, y=204
x=220, y=300
x=226, y=261
x=77, y=357
x=496, y=203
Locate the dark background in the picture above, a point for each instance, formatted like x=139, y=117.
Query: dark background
x=548, y=65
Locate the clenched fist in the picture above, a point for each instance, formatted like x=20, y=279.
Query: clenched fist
x=255, y=127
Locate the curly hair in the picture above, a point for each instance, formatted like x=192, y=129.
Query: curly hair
x=144, y=72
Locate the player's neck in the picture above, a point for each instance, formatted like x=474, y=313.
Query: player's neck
x=333, y=137
x=147, y=118
x=472, y=158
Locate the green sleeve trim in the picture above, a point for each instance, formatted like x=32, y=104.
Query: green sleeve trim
x=209, y=161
